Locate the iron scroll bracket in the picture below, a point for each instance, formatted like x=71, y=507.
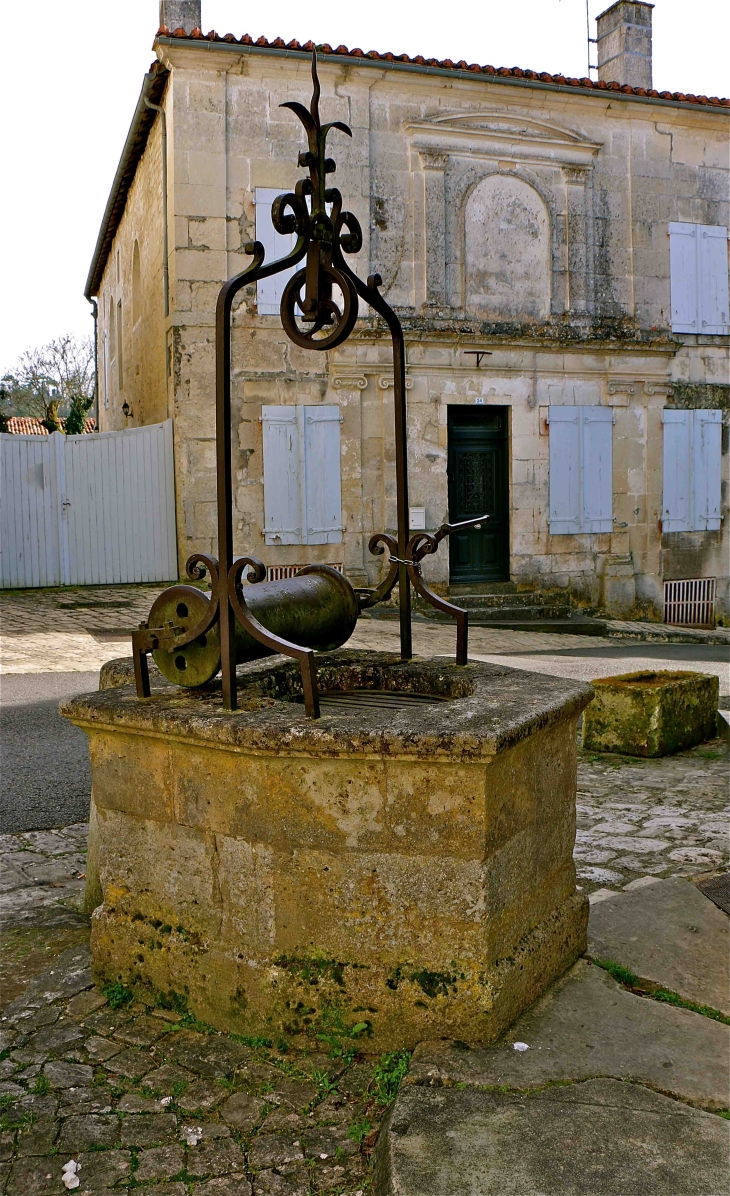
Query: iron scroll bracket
x=319, y=308
x=304, y=656
x=148, y=639
x=425, y=544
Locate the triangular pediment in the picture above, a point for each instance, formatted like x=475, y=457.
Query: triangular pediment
x=510, y=133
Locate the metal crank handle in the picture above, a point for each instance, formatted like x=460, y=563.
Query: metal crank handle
x=448, y=528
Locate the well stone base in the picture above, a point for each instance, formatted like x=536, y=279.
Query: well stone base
x=406, y=871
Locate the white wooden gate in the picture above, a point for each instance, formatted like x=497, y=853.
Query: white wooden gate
x=95, y=509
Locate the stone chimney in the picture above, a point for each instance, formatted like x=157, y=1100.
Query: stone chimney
x=624, y=44
x=182, y=14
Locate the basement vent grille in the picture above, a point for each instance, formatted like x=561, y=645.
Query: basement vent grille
x=690, y=603
x=279, y=572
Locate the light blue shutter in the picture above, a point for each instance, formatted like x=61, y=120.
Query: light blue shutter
x=565, y=469
x=714, y=318
x=597, y=469
x=270, y=290
x=706, y=470
x=677, y=462
x=684, y=270
x=282, y=475
x=322, y=475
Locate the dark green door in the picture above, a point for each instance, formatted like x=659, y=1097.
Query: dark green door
x=478, y=485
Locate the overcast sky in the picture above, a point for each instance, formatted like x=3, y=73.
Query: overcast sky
x=71, y=72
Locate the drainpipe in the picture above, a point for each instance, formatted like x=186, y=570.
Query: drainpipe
x=165, y=248
x=95, y=317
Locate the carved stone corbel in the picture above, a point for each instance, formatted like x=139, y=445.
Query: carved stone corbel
x=384, y=382
x=623, y=387
x=576, y=175
x=634, y=386
x=349, y=382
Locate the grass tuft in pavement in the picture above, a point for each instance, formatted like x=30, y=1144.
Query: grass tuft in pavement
x=645, y=988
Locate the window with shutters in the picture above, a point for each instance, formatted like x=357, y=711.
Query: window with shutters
x=302, y=486
x=120, y=347
x=581, y=470
x=136, y=284
x=699, y=278
x=692, y=469
x=270, y=290
x=105, y=364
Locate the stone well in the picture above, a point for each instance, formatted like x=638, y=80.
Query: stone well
x=407, y=868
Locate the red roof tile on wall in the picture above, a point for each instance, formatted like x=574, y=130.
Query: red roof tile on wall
x=28, y=425
x=514, y=72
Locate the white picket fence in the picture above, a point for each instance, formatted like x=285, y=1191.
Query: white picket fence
x=96, y=509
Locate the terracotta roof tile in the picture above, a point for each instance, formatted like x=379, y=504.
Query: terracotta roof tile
x=514, y=72
x=28, y=425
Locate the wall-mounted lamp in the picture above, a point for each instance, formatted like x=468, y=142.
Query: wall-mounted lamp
x=126, y=410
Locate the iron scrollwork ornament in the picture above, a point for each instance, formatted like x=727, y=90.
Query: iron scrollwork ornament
x=319, y=307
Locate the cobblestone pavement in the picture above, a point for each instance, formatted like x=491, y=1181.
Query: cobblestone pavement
x=42, y=877
x=145, y=1096
x=69, y=630
x=644, y=818
x=146, y=1099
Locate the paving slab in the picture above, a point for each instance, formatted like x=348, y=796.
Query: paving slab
x=587, y=1025
x=669, y=933
x=599, y=1136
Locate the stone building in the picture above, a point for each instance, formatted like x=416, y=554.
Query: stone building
x=557, y=250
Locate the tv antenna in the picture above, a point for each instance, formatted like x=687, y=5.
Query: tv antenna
x=591, y=41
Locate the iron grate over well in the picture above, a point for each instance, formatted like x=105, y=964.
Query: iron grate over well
x=337, y=701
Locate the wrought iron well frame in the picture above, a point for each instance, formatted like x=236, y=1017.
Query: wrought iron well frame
x=322, y=238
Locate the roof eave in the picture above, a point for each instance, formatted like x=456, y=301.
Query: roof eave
x=153, y=88
x=609, y=91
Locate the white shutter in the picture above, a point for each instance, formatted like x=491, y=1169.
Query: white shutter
x=322, y=484
x=677, y=466
x=270, y=290
x=565, y=470
x=597, y=469
x=713, y=267
x=706, y=469
x=282, y=475
x=684, y=268
x=302, y=487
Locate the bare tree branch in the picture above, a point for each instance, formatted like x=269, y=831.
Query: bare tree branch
x=45, y=381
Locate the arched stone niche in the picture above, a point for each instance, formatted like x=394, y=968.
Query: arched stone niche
x=507, y=267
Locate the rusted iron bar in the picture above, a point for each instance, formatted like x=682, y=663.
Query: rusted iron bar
x=319, y=308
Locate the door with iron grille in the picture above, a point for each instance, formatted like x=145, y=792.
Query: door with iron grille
x=478, y=484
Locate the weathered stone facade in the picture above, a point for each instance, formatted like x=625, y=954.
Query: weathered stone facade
x=131, y=300
x=524, y=219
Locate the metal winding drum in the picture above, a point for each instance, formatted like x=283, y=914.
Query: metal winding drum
x=317, y=608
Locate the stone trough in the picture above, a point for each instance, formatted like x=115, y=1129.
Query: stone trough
x=651, y=713
x=402, y=865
